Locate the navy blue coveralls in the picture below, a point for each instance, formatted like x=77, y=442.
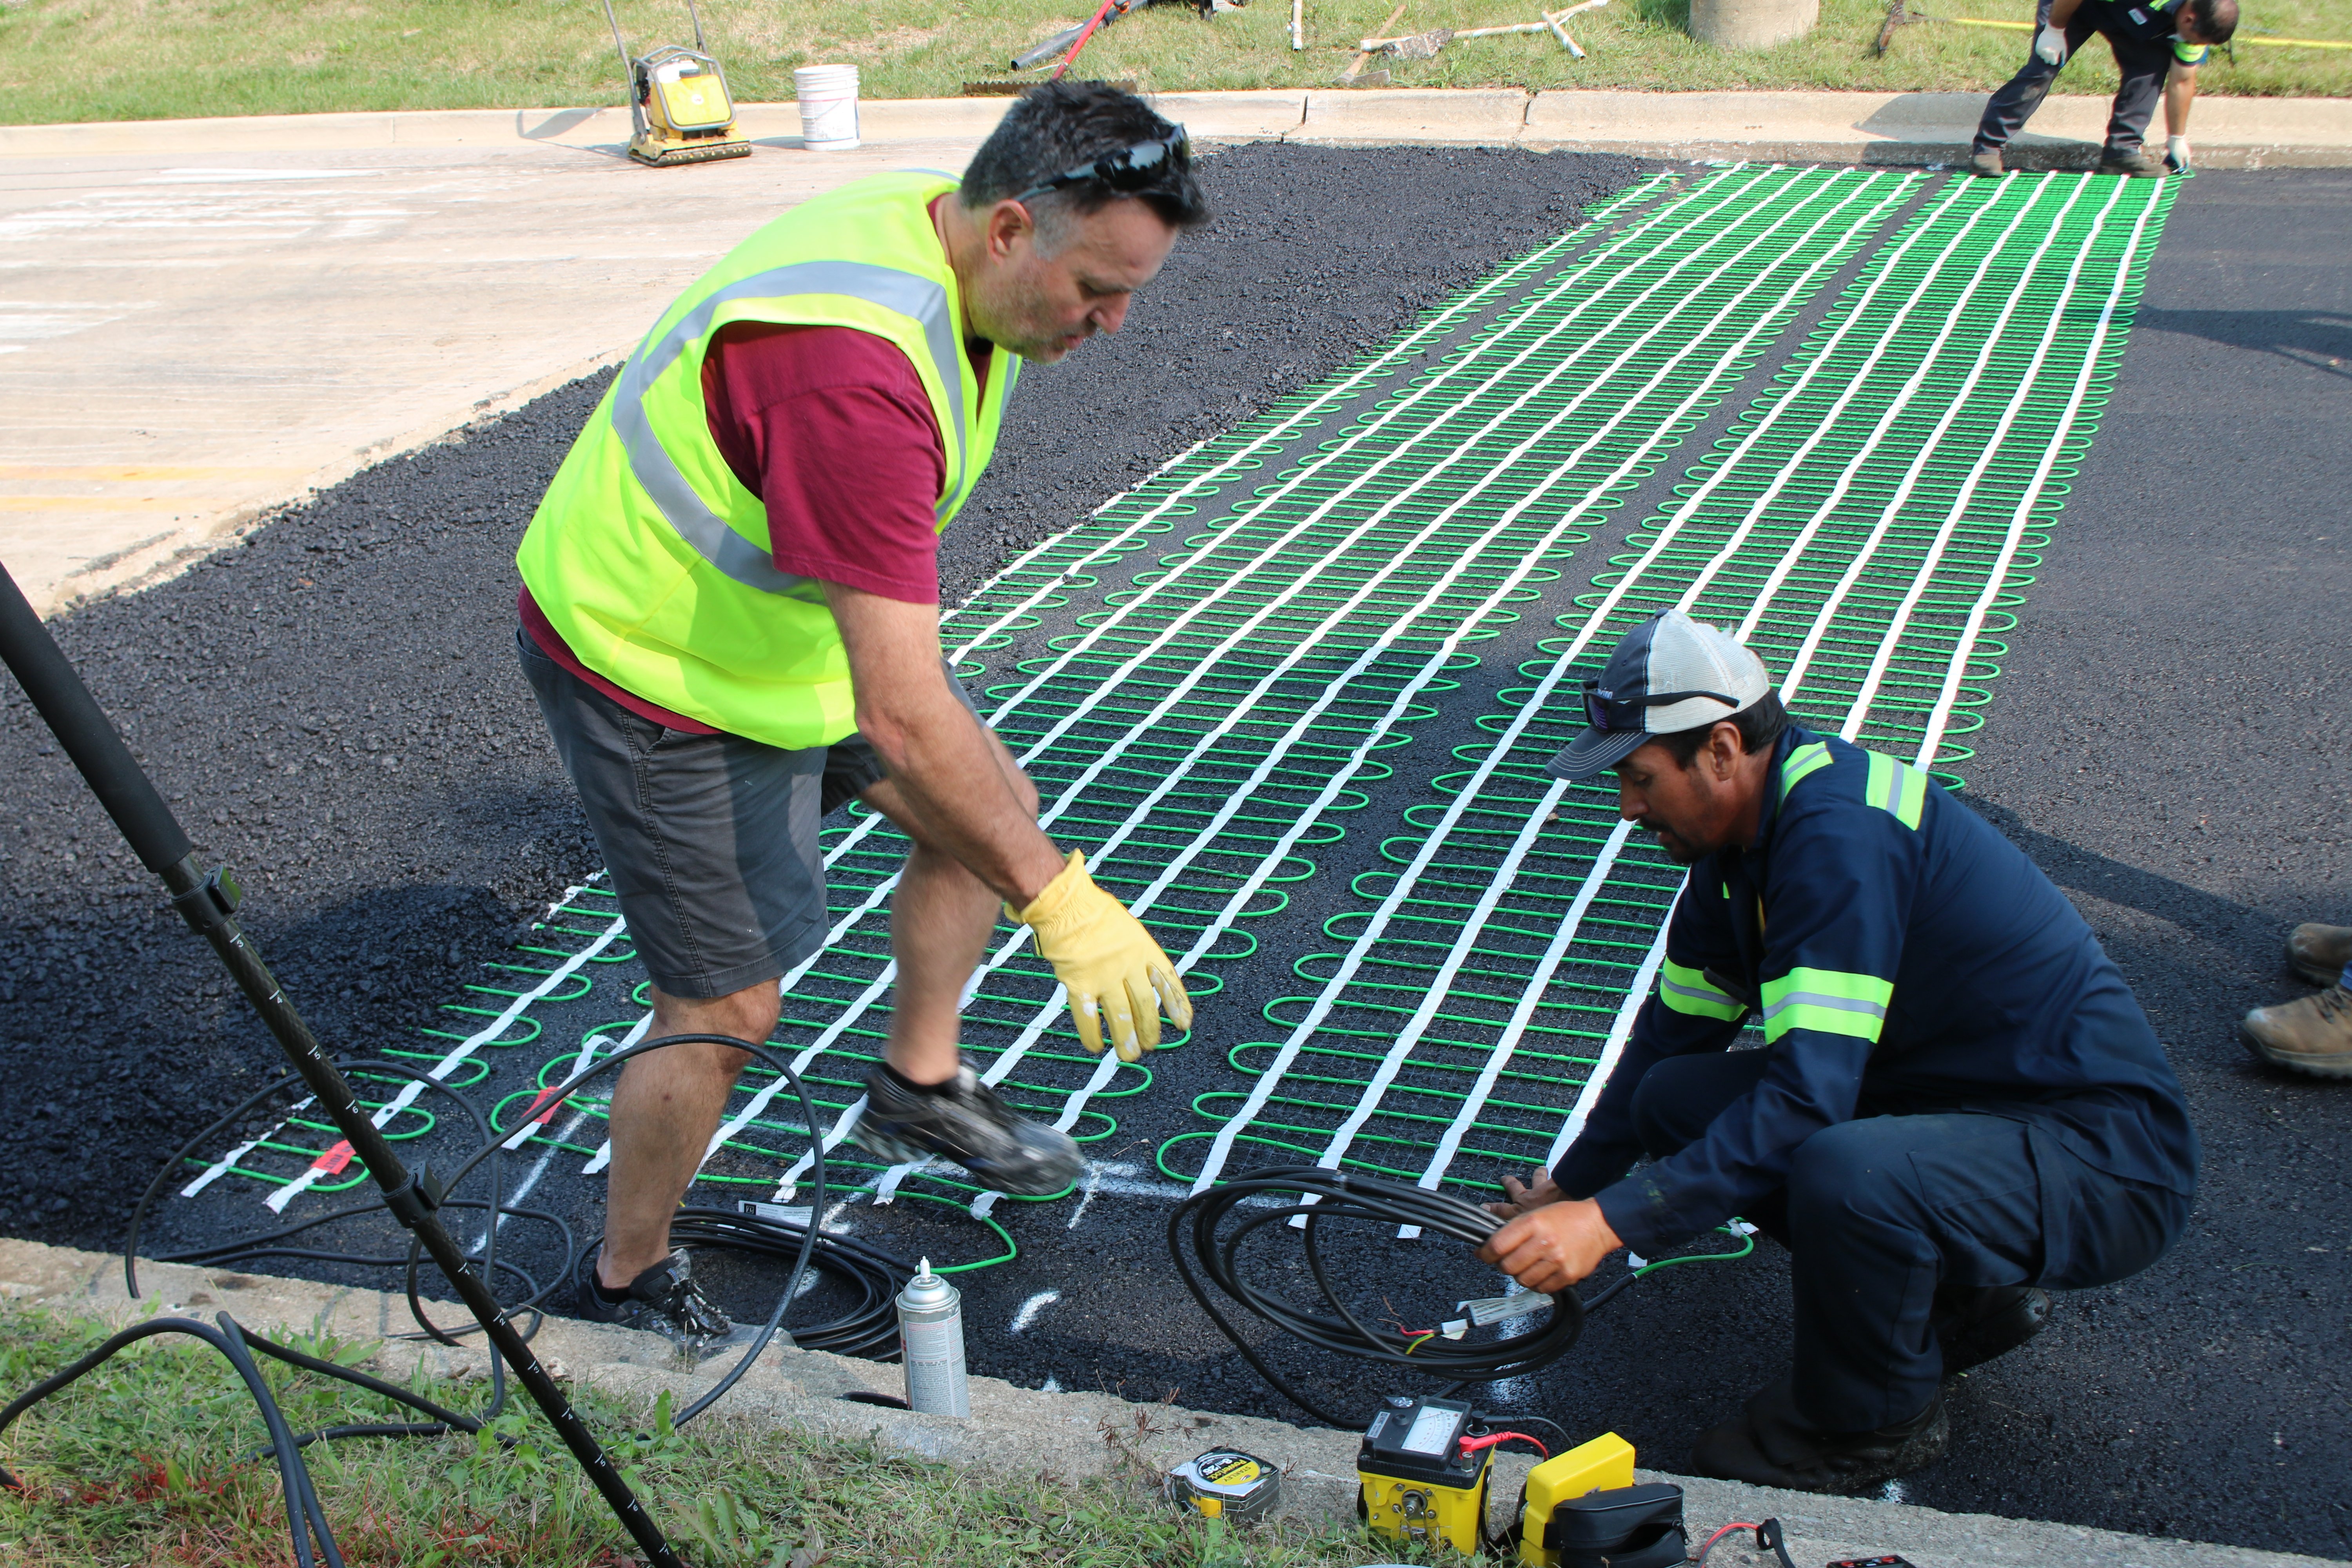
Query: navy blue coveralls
x=1957, y=1086
x=2146, y=48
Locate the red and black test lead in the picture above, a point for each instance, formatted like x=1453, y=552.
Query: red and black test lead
x=1708, y=1545
x=1472, y=1445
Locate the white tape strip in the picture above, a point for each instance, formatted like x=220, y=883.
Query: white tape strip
x=1965, y=648
x=1523, y=1013
x=1614, y=1048
x=1298, y=584
x=1824, y=426
x=1222, y=1146
x=1866, y=555
x=1859, y=713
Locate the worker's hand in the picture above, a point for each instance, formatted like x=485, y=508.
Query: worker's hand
x=2176, y=155
x=1521, y=1196
x=2050, y=46
x=1552, y=1247
x=1115, y=973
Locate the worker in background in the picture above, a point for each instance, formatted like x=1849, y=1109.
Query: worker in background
x=2312, y=1034
x=730, y=619
x=1957, y=1104
x=2158, y=44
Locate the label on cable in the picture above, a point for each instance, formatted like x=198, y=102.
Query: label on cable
x=1505, y=1308
x=332, y=1162
x=787, y=1213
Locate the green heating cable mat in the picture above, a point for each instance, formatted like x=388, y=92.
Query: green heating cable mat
x=1867, y=525
x=1215, y=675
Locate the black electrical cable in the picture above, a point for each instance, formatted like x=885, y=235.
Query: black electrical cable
x=1328, y=1196
x=874, y=1278
x=209, y=902
x=816, y=1182
x=869, y=1268
x=1516, y=1419
x=243, y=1248
x=305, y=1519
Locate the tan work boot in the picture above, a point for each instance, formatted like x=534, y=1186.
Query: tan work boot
x=2320, y=952
x=2313, y=1036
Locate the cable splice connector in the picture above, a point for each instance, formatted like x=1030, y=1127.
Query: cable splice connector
x=415, y=1198
x=210, y=903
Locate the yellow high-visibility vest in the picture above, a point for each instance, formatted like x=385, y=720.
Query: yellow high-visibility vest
x=650, y=557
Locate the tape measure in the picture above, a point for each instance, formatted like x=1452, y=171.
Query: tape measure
x=1227, y=1484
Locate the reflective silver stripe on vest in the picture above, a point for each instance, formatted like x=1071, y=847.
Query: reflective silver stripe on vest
x=908, y=293
x=1826, y=1003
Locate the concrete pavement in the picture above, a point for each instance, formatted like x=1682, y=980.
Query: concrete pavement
x=204, y=327
x=204, y=320
x=1020, y=1432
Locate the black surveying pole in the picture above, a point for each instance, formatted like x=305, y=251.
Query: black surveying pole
x=208, y=903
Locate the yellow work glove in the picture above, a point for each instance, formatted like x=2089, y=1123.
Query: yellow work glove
x=1115, y=973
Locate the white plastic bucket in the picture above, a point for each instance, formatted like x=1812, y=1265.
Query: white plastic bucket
x=828, y=95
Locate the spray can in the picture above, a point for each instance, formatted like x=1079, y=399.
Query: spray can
x=930, y=1327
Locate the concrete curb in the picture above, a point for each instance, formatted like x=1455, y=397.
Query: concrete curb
x=1024, y=1432
x=1892, y=128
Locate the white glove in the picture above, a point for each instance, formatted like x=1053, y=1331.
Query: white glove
x=2050, y=46
x=2176, y=155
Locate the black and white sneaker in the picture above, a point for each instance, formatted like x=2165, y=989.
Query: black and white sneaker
x=963, y=1120
x=664, y=1300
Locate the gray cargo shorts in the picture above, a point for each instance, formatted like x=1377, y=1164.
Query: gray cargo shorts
x=711, y=840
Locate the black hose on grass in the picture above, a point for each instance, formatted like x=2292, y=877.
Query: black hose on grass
x=869, y=1268
x=305, y=1519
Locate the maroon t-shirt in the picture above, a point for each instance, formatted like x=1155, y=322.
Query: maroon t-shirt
x=832, y=429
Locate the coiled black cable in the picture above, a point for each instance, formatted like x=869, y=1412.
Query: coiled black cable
x=874, y=1278
x=1327, y=1197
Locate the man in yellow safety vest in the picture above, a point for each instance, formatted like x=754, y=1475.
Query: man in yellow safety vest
x=729, y=618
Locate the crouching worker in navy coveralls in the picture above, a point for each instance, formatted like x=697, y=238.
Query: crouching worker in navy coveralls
x=1957, y=1105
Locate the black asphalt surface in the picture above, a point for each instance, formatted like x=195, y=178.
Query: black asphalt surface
x=2185, y=630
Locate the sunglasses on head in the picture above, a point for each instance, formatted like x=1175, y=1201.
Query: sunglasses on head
x=1607, y=714
x=1129, y=169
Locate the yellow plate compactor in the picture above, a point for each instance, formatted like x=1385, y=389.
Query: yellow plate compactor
x=679, y=109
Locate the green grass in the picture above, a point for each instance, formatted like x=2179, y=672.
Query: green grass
x=136, y=59
x=138, y=1464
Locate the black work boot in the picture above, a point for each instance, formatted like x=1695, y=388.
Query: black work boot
x=664, y=1300
x=1772, y=1445
x=961, y=1119
x=1986, y=161
x=2133, y=161
x=1976, y=1323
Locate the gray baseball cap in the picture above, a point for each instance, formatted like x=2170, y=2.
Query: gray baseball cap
x=1670, y=673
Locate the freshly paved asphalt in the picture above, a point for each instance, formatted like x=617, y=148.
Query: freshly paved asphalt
x=2184, y=631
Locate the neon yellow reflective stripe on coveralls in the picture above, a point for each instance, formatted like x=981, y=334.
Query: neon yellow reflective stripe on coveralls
x=1688, y=990
x=650, y=557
